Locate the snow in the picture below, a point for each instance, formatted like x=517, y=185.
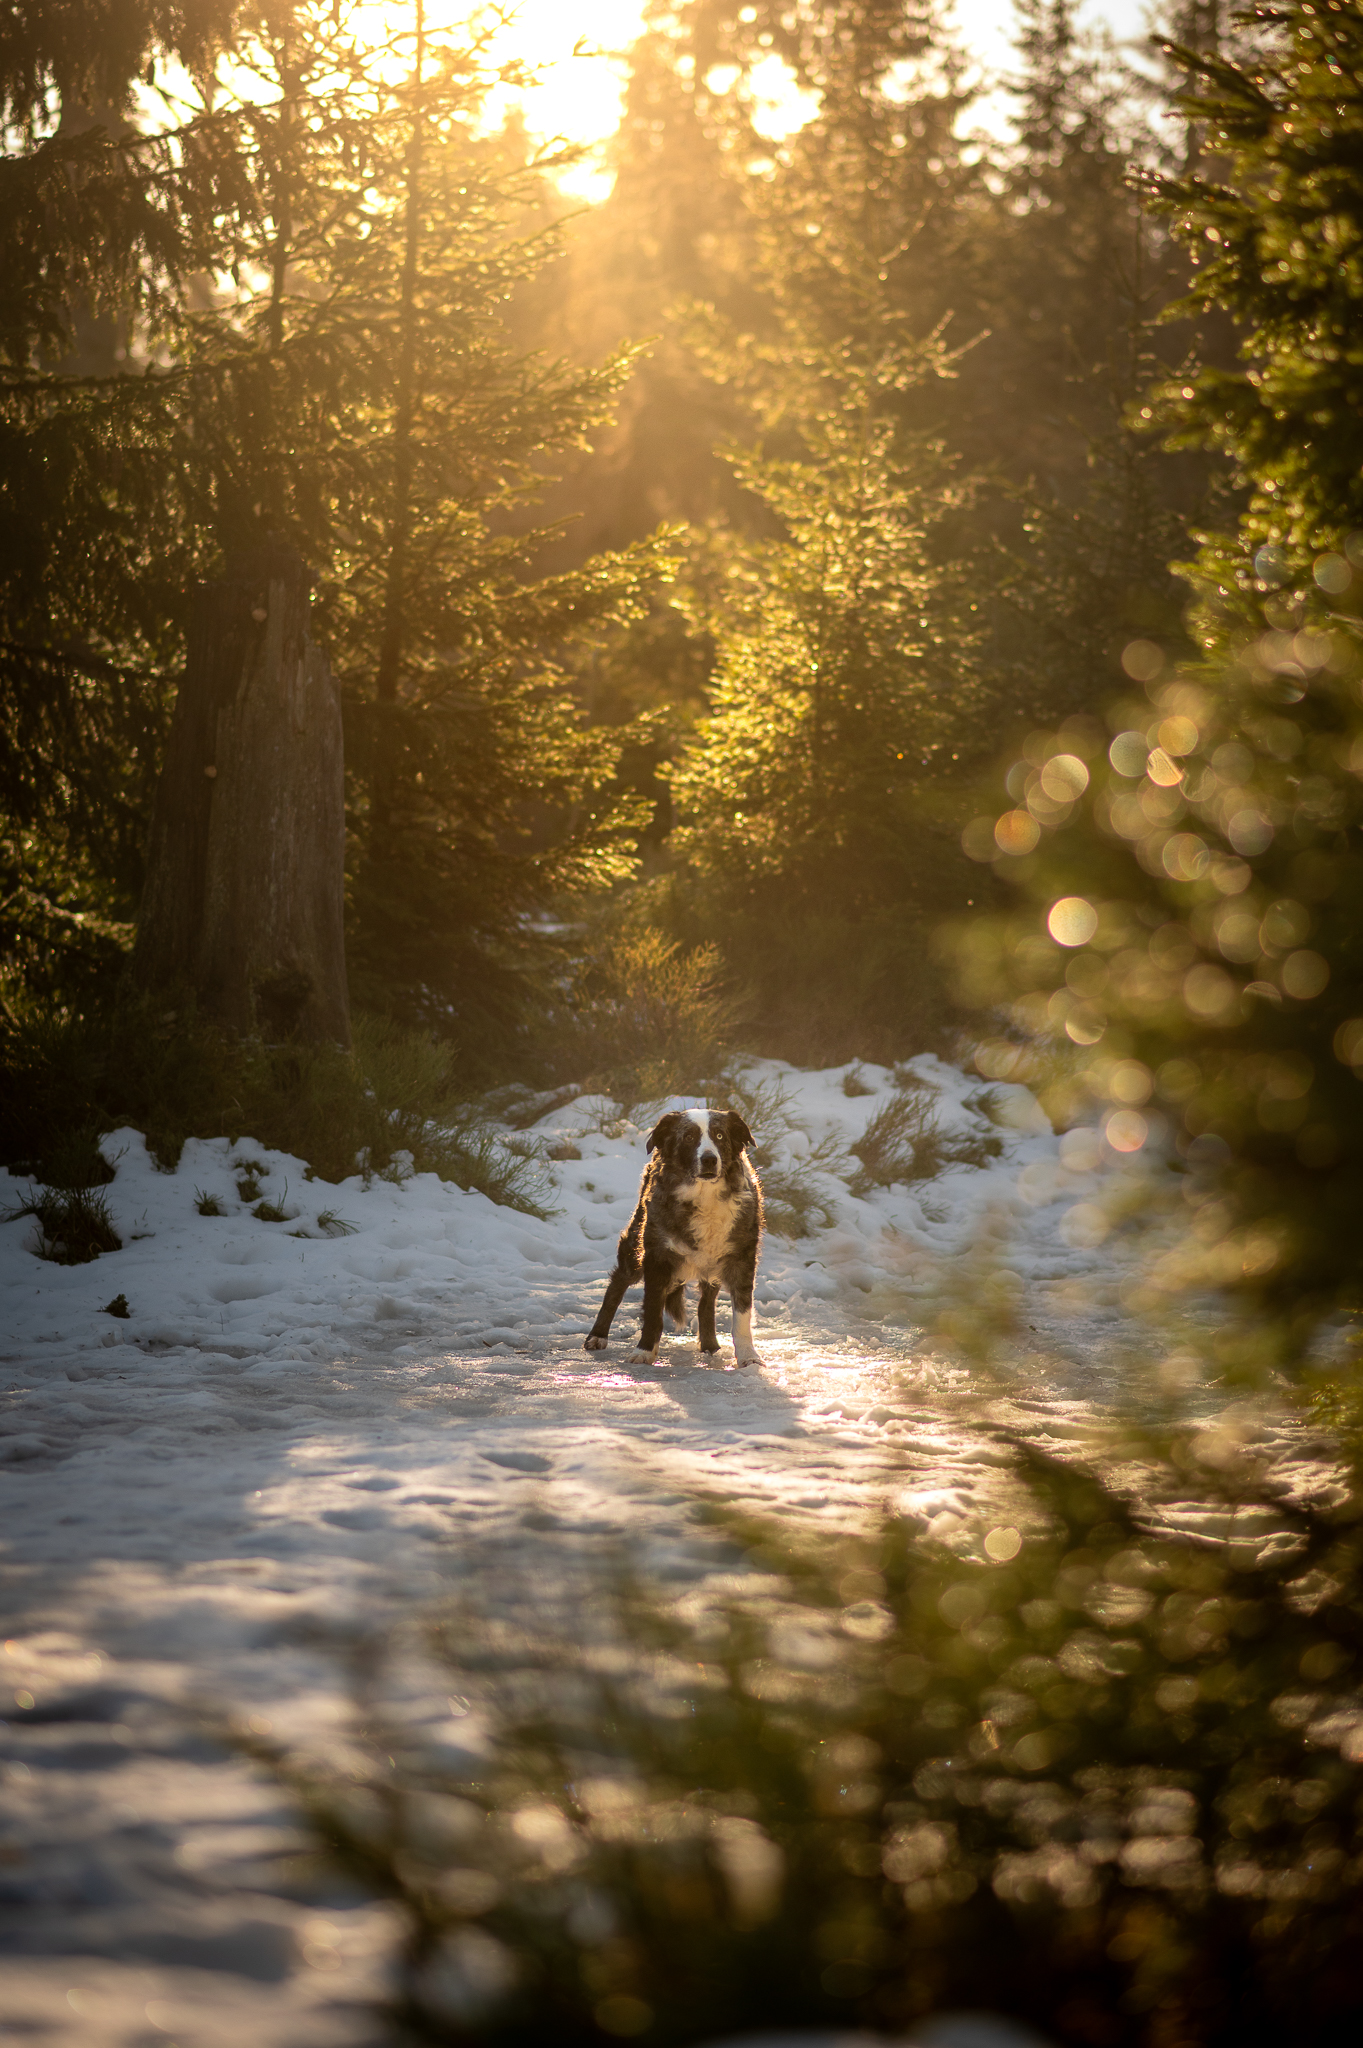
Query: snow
x=305, y=1429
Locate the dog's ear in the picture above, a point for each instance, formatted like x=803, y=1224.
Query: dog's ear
x=739, y=1131
x=664, y=1131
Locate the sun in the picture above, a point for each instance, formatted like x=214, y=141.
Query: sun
x=576, y=52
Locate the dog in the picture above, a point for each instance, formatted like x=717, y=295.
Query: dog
x=699, y=1218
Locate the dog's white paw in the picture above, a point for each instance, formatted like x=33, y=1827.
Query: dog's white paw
x=746, y=1358
x=594, y=1344
x=643, y=1358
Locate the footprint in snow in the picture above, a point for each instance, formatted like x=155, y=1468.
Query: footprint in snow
x=357, y=1518
x=519, y=1461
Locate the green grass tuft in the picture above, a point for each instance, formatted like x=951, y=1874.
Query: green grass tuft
x=74, y=1224
x=332, y=1225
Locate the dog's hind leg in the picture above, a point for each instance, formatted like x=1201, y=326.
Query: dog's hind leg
x=657, y=1280
x=674, y=1309
x=615, y=1294
x=705, y=1319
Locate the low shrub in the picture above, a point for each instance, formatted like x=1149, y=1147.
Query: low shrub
x=902, y=1142
x=642, y=1018
x=905, y=1141
x=74, y=1224
x=66, y=1077
x=793, y=1200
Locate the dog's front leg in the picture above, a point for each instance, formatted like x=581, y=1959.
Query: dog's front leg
x=657, y=1281
x=745, y=1352
x=705, y=1319
x=740, y=1294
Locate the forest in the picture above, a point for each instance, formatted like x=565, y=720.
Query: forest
x=696, y=567
x=875, y=602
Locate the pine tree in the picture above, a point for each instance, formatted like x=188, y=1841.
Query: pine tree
x=1071, y=271
x=477, y=791
x=843, y=646
x=1205, y=930
x=353, y=391
x=817, y=793
x=100, y=226
x=1073, y=275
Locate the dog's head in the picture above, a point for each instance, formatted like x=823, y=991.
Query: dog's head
x=700, y=1144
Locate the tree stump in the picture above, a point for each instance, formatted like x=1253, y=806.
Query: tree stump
x=244, y=898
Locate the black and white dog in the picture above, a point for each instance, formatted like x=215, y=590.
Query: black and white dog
x=699, y=1218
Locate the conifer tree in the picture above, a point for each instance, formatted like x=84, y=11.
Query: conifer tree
x=843, y=646
x=1071, y=270
x=101, y=225
x=1203, y=926
x=816, y=795
x=351, y=390
x=1074, y=271
x=477, y=792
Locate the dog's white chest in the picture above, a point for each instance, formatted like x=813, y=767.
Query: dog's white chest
x=712, y=1224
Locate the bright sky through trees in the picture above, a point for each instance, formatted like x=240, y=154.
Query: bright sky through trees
x=579, y=97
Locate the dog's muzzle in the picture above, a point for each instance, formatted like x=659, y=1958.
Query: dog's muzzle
x=708, y=1169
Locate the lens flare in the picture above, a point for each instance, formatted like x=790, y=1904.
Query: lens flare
x=1072, y=921
x=1126, y=1130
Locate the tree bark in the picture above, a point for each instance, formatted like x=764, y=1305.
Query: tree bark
x=244, y=900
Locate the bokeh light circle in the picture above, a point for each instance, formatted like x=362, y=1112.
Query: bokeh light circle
x=1072, y=921
x=1126, y=1131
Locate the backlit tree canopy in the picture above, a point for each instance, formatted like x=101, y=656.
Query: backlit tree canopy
x=1199, y=858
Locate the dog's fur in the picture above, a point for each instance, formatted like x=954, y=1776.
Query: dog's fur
x=699, y=1218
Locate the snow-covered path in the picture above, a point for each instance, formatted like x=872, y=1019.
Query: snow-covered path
x=293, y=1440
x=174, y=1568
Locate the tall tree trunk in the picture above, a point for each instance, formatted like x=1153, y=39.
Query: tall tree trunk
x=244, y=901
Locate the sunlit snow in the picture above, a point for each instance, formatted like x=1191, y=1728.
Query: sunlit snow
x=296, y=1438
